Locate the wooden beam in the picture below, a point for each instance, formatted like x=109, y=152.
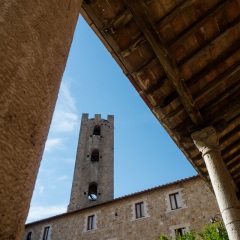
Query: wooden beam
x=233, y=163
x=144, y=22
x=226, y=104
x=200, y=22
x=125, y=52
x=232, y=73
x=234, y=70
x=235, y=169
x=234, y=155
x=220, y=59
x=230, y=148
x=174, y=12
x=119, y=21
x=229, y=135
x=229, y=101
x=211, y=41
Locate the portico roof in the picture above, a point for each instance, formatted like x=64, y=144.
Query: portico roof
x=183, y=58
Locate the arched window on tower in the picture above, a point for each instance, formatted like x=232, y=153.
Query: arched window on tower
x=29, y=236
x=92, y=191
x=97, y=130
x=95, y=155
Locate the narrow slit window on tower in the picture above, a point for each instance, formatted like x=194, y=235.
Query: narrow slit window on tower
x=92, y=191
x=97, y=130
x=95, y=155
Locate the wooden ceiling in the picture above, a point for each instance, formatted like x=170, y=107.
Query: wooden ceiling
x=183, y=58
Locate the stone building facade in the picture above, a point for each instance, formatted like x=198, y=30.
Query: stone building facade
x=93, y=214
x=177, y=206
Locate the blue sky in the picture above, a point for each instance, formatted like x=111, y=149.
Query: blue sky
x=145, y=156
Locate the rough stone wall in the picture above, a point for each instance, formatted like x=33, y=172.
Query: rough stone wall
x=87, y=171
x=116, y=219
x=35, y=42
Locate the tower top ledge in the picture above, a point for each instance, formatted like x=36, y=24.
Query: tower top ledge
x=97, y=117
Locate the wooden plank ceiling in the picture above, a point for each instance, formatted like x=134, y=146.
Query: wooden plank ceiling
x=183, y=58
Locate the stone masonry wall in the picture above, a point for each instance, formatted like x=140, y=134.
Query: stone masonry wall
x=116, y=220
x=87, y=171
x=35, y=42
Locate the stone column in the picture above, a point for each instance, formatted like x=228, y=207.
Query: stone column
x=207, y=142
x=35, y=42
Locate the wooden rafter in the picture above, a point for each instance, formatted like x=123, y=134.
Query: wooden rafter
x=214, y=86
x=220, y=59
x=232, y=156
x=231, y=147
x=229, y=135
x=174, y=12
x=234, y=70
x=200, y=22
x=225, y=99
x=133, y=47
x=122, y=19
x=144, y=22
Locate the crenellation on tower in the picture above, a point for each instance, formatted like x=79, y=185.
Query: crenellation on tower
x=93, y=173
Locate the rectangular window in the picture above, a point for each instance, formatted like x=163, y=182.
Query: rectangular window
x=180, y=231
x=46, y=233
x=175, y=201
x=91, y=222
x=139, y=208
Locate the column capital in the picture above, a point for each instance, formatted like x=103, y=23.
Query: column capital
x=206, y=140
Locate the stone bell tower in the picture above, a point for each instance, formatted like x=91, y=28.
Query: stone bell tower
x=93, y=174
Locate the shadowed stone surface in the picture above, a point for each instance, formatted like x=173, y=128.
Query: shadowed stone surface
x=35, y=42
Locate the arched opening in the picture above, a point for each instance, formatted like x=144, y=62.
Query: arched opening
x=92, y=191
x=95, y=155
x=97, y=130
x=29, y=236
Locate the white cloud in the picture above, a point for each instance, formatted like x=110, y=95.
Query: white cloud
x=53, y=143
x=62, y=178
x=39, y=188
x=46, y=172
x=68, y=100
x=70, y=161
x=65, y=118
x=41, y=212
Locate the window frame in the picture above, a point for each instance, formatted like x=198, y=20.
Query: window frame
x=175, y=202
x=181, y=200
x=92, y=191
x=139, y=210
x=29, y=235
x=97, y=130
x=144, y=209
x=46, y=233
x=180, y=231
x=91, y=219
x=185, y=227
x=95, y=155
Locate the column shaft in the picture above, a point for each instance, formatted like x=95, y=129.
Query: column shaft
x=207, y=142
